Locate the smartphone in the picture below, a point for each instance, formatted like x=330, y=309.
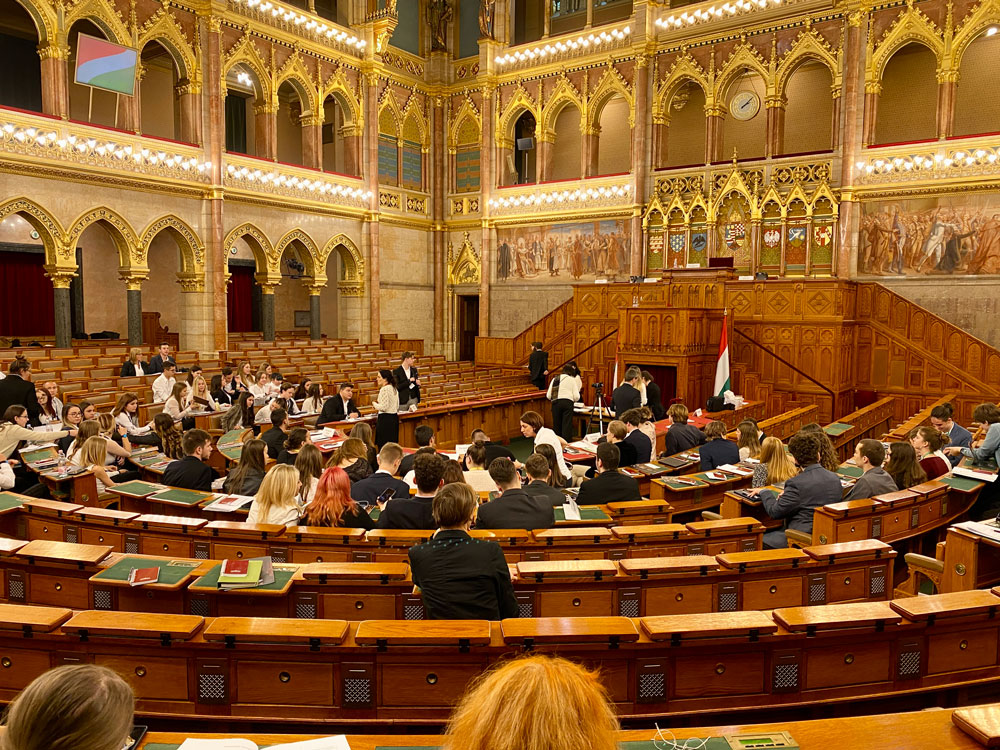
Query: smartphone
x=386, y=496
x=135, y=736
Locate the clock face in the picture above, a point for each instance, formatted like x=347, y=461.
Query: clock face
x=744, y=105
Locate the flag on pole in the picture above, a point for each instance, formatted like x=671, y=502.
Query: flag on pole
x=722, y=381
x=105, y=65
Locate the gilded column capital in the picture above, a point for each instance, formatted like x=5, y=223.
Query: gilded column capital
x=61, y=277
x=133, y=277
x=54, y=51
x=267, y=108
x=266, y=288
x=857, y=17
x=193, y=282
x=310, y=120
x=776, y=102
x=316, y=288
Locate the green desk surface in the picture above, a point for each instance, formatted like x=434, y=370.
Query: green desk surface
x=136, y=489
x=38, y=454
x=962, y=484
x=211, y=580
x=9, y=500
x=586, y=514
x=676, y=485
x=182, y=497
x=149, y=460
x=850, y=471
x=837, y=428
x=171, y=571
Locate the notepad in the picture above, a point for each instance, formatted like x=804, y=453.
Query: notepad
x=141, y=576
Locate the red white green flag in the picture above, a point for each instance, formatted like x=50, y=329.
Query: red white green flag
x=722, y=381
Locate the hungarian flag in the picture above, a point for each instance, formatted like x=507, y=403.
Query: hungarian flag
x=105, y=65
x=722, y=382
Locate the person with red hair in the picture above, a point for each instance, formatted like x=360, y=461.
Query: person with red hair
x=332, y=505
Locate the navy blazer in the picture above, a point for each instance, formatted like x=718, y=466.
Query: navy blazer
x=516, y=509
x=718, y=452
x=961, y=437
x=682, y=437
x=190, y=474
x=809, y=489
x=407, y=513
x=368, y=489
x=625, y=397
x=544, y=492
x=642, y=444
x=156, y=363
x=608, y=487
x=16, y=391
x=333, y=409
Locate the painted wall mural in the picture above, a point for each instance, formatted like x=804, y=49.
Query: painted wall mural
x=944, y=235
x=563, y=252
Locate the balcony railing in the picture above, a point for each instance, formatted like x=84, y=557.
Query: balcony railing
x=592, y=193
x=254, y=175
x=930, y=161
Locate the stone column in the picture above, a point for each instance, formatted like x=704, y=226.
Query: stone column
x=55, y=80
x=128, y=108
x=859, y=128
x=870, y=116
x=372, y=225
x=714, y=117
x=640, y=161
x=661, y=140
x=351, y=137
x=315, y=319
x=590, y=14
x=488, y=170
x=543, y=157
x=947, y=84
x=64, y=326
x=775, y=126
x=438, y=151
x=189, y=104
x=835, y=127
x=211, y=122
x=133, y=297
x=546, y=18
x=266, y=131
x=312, y=141
x=266, y=309
x=591, y=145
x=504, y=174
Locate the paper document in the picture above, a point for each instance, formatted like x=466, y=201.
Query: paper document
x=571, y=511
x=982, y=476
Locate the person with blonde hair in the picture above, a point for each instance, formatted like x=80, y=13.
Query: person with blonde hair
x=535, y=702
x=92, y=456
x=748, y=439
x=776, y=466
x=76, y=707
x=178, y=405
x=201, y=398
x=275, y=502
x=134, y=367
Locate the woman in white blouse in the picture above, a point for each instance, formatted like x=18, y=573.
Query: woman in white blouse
x=257, y=389
x=178, y=405
x=202, y=393
x=126, y=412
x=532, y=426
x=387, y=406
x=275, y=502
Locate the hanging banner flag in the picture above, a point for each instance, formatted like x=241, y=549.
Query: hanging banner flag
x=105, y=65
x=722, y=382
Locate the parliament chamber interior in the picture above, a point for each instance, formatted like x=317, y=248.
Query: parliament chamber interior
x=499, y=374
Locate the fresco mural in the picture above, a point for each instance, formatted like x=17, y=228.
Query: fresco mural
x=563, y=252
x=944, y=235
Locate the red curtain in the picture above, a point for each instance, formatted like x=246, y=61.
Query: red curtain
x=26, y=297
x=238, y=301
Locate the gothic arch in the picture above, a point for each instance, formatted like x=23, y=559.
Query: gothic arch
x=467, y=112
x=122, y=234
x=564, y=95
x=610, y=85
x=518, y=105
x=985, y=15
x=104, y=16
x=338, y=87
x=389, y=110
x=44, y=19
x=48, y=228
x=743, y=58
x=294, y=72
x=162, y=27
x=191, y=248
x=911, y=26
x=807, y=46
x=311, y=255
x=260, y=246
x=411, y=113
x=351, y=261
x=685, y=70
x=245, y=52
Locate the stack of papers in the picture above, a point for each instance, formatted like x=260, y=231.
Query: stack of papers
x=742, y=471
x=584, y=446
x=228, y=503
x=982, y=476
x=246, y=574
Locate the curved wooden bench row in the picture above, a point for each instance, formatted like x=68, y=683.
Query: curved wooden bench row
x=93, y=577
x=391, y=671
x=783, y=426
x=867, y=422
x=902, y=431
x=28, y=518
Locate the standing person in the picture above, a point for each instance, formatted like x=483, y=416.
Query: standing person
x=654, y=399
x=134, y=366
x=158, y=362
x=17, y=390
x=407, y=382
x=868, y=456
x=538, y=365
x=564, y=391
x=387, y=406
x=627, y=396
x=191, y=473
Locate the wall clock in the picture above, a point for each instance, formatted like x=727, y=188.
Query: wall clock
x=744, y=105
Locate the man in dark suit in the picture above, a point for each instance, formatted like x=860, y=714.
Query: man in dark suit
x=812, y=487
x=537, y=468
x=159, y=359
x=654, y=400
x=461, y=578
x=339, y=406
x=636, y=438
x=627, y=396
x=868, y=456
x=416, y=512
x=493, y=450
x=681, y=436
x=275, y=437
x=515, y=508
x=369, y=489
x=17, y=389
x=958, y=436
x=538, y=365
x=610, y=485
x=424, y=436
x=191, y=473
x=407, y=382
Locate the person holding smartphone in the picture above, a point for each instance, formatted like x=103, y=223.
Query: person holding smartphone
x=367, y=491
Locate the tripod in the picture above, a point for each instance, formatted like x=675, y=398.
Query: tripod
x=599, y=404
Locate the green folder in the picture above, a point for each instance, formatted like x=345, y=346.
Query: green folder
x=9, y=500
x=137, y=489
x=586, y=514
x=837, y=428
x=187, y=497
x=211, y=580
x=850, y=471
x=251, y=576
x=962, y=484
x=171, y=571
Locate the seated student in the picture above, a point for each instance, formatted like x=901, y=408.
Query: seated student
x=309, y=464
x=680, y=436
x=134, y=366
x=178, y=406
x=536, y=466
x=453, y=472
x=259, y=387
x=93, y=456
x=200, y=397
x=275, y=437
x=190, y=472
x=339, y=406
x=493, y=450
x=243, y=378
x=126, y=411
x=869, y=456
x=748, y=439
x=647, y=426
x=286, y=396
x=363, y=432
x=460, y=578
x=717, y=450
x=352, y=457
x=532, y=426
x=164, y=435
x=928, y=442
x=313, y=402
x=48, y=414
x=958, y=436
x=515, y=508
x=246, y=478
x=88, y=429
x=333, y=505
x=274, y=385
x=302, y=389
x=367, y=490
x=476, y=474
x=423, y=435
x=220, y=395
x=555, y=479
x=609, y=485
x=903, y=466
x=828, y=453
x=76, y=707
x=240, y=414
x=775, y=467
x=89, y=410
x=275, y=502
x=163, y=386
x=52, y=388
x=293, y=444
x=812, y=487
x=158, y=362
x=546, y=702
x=193, y=372
x=72, y=417
x=636, y=438
x=408, y=476
x=404, y=512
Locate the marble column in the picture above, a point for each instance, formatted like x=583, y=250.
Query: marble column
x=312, y=141
x=438, y=151
x=266, y=131
x=315, y=319
x=714, y=118
x=775, y=136
x=372, y=223
x=661, y=141
x=591, y=145
x=189, y=104
x=489, y=170
x=267, y=311
x=128, y=108
x=857, y=132
x=133, y=297
x=211, y=122
x=640, y=160
x=543, y=158
x=947, y=84
x=352, y=150
x=871, y=114
x=63, y=318
x=55, y=80
x=835, y=127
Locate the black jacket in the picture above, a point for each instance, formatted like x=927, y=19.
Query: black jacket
x=406, y=465
x=538, y=363
x=718, y=452
x=333, y=409
x=128, y=369
x=682, y=437
x=625, y=397
x=359, y=520
x=655, y=401
x=156, y=364
x=15, y=390
x=809, y=489
x=403, y=385
x=250, y=485
x=516, y=509
x=275, y=441
x=222, y=396
x=189, y=474
x=407, y=513
x=608, y=487
x=642, y=444
x=544, y=493
x=366, y=490
x=461, y=578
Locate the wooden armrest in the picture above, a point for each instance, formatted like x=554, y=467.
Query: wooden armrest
x=710, y=515
x=799, y=537
x=914, y=560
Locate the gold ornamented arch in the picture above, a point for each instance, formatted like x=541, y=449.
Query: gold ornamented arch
x=162, y=27
x=245, y=52
x=311, y=254
x=911, y=26
x=192, y=273
x=464, y=267
x=413, y=112
x=808, y=45
x=295, y=73
x=103, y=15
x=465, y=113
x=565, y=94
x=744, y=57
x=984, y=15
x=45, y=19
x=520, y=103
x=340, y=89
x=260, y=246
x=684, y=70
x=611, y=85
x=122, y=234
x=389, y=108
x=49, y=230
x=352, y=263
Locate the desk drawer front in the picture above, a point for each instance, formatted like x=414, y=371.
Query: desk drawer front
x=845, y=585
x=284, y=683
x=851, y=530
x=850, y=664
x=18, y=668
x=359, y=606
x=58, y=591
x=100, y=536
x=773, y=593
x=679, y=600
x=151, y=677
x=576, y=604
x=164, y=546
x=722, y=674
x=963, y=649
x=427, y=685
